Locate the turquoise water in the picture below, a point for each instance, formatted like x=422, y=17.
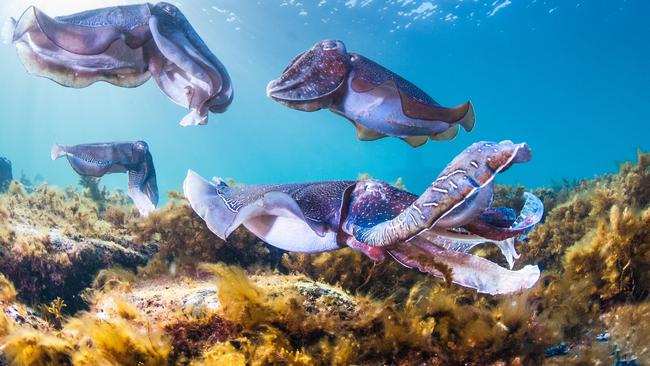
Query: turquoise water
x=571, y=78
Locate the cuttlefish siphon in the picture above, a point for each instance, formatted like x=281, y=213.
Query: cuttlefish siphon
x=377, y=101
x=125, y=46
x=433, y=232
x=133, y=158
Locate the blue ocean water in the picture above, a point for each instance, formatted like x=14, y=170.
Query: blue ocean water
x=571, y=78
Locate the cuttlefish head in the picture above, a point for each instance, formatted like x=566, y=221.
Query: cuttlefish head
x=185, y=68
x=168, y=14
x=139, y=151
x=312, y=78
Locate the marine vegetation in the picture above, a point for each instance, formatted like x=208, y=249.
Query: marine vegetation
x=204, y=301
x=377, y=101
x=125, y=46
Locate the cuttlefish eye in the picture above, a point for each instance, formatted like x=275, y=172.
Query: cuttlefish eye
x=330, y=45
x=141, y=146
x=168, y=8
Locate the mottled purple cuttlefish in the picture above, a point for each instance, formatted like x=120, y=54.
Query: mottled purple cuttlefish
x=377, y=101
x=125, y=46
x=432, y=232
x=134, y=158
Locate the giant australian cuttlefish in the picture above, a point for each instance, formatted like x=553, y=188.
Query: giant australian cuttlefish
x=133, y=158
x=377, y=101
x=125, y=46
x=433, y=232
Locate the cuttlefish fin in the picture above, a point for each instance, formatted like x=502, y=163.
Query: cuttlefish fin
x=366, y=134
x=463, y=269
x=469, y=119
x=415, y=141
x=448, y=134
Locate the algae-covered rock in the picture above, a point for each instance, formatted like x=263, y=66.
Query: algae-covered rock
x=45, y=264
x=6, y=174
x=252, y=305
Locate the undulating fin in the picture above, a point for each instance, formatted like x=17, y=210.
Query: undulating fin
x=206, y=202
x=469, y=120
x=416, y=141
x=466, y=269
x=447, y=135
x=57, y=151
x=211, y=203
x=366, y=134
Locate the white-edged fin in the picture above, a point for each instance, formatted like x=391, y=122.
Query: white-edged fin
x=57, y=151
x=7, y=34
x=448, y=134
x=469, y=119
x=274, y=204
x=466, y=270
x=416, y=141
x=205, y=201
x=366, y=134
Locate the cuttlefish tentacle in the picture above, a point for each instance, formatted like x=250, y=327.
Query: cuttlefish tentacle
x=125, y=46
x=134, y=158
x=323, y=216
x=377, y=101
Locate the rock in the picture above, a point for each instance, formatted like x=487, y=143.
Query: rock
x=44, y=265
x=5, y=174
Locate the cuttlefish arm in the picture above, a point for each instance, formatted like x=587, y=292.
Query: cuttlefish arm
x=488, y=228
x=531, y=214
x=125, y=46
x=431, y=232
x=466, y=176
x=295, y=217
x=134, y=158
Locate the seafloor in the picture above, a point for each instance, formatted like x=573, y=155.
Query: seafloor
x=85, y=281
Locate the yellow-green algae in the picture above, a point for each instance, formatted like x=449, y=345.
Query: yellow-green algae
x=339, y=308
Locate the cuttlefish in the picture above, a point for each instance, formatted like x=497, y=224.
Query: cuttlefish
x=377, y=101
x=433, y=232
x=125, y=46
x=133, y=158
